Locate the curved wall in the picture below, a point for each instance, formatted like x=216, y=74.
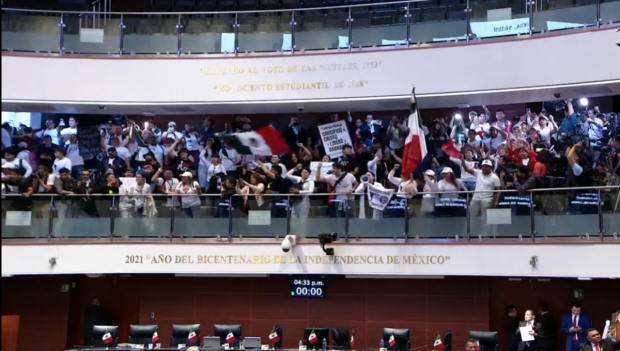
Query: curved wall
x=463, y=68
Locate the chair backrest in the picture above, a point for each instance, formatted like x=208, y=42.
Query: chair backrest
x=222, y=330
x=486, y=339
x=401, y=336
x=447, y=341
x=341, y=338
x=321, y=333
x=141, y=334
x=100, y=330
x=180, y=334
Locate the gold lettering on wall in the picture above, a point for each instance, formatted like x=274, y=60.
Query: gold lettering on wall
x=285, y=259
x=299, y=83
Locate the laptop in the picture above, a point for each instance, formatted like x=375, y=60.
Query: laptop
x=251, y=342
x=211, y=341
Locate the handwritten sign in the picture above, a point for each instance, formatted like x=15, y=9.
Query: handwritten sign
x=89, y=138
x=501, y=28
x=324, y=168
x=334, y=136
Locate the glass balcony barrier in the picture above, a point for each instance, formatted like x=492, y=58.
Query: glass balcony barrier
x=536, y=215
x=287, y=29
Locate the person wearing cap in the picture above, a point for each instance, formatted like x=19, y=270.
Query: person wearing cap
x=449, y=185
x=190, y=191
x=151, y=146
x=10, y=157
x=112, y=163
x=486, y=181
x=23, y=152
x=171, y=133
x=180, y=160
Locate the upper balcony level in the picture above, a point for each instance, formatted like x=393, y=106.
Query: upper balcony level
x=289, y=26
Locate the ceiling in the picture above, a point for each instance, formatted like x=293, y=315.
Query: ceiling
x=447, y=100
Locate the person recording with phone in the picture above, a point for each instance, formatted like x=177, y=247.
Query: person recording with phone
x=301, y=186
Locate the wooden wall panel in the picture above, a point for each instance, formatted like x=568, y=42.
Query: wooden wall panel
x=42, y=309
x=366, y=305
x=10, y=332
x=426, y=306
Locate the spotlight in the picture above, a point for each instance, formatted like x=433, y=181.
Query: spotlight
x=583, y=102
x=327, y=238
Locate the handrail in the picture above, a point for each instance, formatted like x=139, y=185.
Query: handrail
x=224, y=214
x=596, y=188
x=217, y=12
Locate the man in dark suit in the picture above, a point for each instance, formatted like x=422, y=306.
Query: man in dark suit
x=94, y=315
x=511, y=324
x=535, y=331
x=574, y=325
x=595, y=342
x=548, y=327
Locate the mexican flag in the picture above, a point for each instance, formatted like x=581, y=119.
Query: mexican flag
x=192, y=337
x=352, y=339
x=230, y=338
x=312, y=339
x=155, y=337
x=438, y=345
x=273, y=336
x=107, y=337
x=415, y=143
x=392, y=340
x=263, y=142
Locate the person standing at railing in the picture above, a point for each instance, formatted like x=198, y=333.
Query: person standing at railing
x=301, y=186
x=17, y=163
x=13, y=182
x=343, y=183
x=125, y=203
x=487, y=181
x=190, y=199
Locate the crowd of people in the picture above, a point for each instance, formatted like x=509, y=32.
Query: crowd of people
x=479, y=151
x=538, y=329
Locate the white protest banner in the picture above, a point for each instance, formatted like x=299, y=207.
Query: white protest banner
x=334, y=136
x=325, y=167
x=379, y=197
x=500, y=28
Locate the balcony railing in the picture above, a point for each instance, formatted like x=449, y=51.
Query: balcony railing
x=538, y=215
x=398, y=24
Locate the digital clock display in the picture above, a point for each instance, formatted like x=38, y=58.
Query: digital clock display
x=308, y=287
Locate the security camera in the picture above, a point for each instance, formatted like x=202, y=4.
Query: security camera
x=52, y=261
x=288, y=242
x=300, y=108
x=557, y=95
x=101, y=107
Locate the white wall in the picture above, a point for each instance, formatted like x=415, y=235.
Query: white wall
x=457, y=68
x=597, y=260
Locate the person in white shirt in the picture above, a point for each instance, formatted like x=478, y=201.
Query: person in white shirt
x=546, y=126
x=343, y=183
x=214, y=180
x=362, y=189
x=171, y=133
x=191, y=138
x=230, y=159
x=51, y=131
x=275, y=161
x=73, y=154
x=43, y=180
x=121, y=151
x=72, y=130
x=61, y=162
x=17, y=163
x=468, y=159
x=302, y=186
x=486, y=180
x=166, y=185
x=496, y=138
x=151, y=146
x=204, y=162
x=125, y=203
x=23, y=153
x=407, y=188
x=139, y=193
x=449, y=185
x=190, y=199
